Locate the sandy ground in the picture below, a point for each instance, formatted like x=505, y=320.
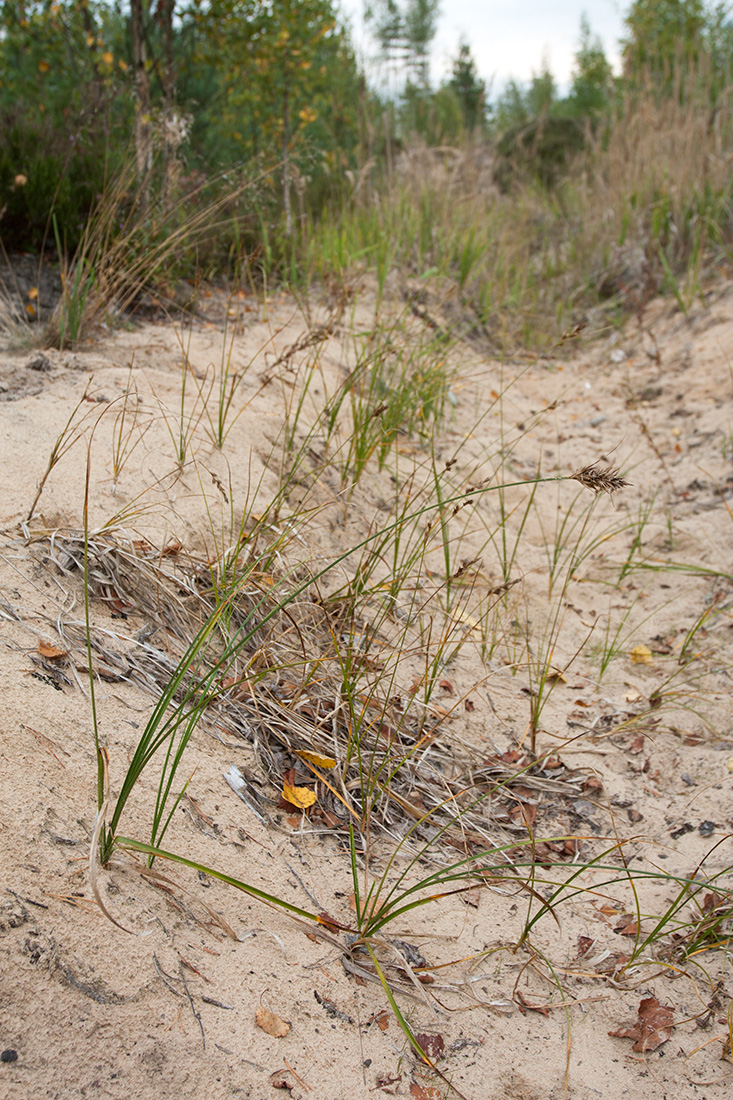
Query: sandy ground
x=167, y=1009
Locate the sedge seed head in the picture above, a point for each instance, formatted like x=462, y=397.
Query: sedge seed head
x=600, y=479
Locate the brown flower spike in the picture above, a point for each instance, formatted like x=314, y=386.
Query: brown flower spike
x=600, y=479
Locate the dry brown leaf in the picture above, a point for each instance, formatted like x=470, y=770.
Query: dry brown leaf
x=328, y=921
x=627, y=926
x=432, y=1044
x=280, y=1080
x=525, y=1006
x=637, y=745
x=424, y=1092
x=653, y=1027
x=384, y=1079
x=272, y=1024
x=51, y=652
x=641, y=655
x=525, y=812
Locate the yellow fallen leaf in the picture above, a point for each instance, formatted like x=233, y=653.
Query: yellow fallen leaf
x=33, y=293
x=460, y=616
x=641, y=655
x=271, y=1023
x=302, y=797
x=730, y=763
x=317, y=759
x=555, y=676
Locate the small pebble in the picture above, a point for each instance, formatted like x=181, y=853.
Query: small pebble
x=9, y=1055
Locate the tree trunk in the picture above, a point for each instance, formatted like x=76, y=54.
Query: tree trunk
x=143, y=129
x=286, y=159
x=171, y=129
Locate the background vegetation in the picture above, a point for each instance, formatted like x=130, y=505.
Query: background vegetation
x=253, y=122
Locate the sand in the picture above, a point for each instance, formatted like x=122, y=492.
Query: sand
x=168, y=1007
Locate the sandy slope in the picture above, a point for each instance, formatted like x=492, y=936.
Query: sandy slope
x=169, y=1011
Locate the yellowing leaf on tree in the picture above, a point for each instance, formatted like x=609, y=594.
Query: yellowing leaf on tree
x=43, y=66
x=641, y=655
x=317, y=759
x=300, y=797
x=107, y=57
x=90, y=40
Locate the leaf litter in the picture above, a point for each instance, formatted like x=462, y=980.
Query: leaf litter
x=652, y=1028
x=169, y=595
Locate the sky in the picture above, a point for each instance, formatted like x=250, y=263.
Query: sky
x=509, y=38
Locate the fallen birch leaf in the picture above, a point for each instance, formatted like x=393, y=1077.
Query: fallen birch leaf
x=458, y=615
x=52, y=652
x=641, y=655
x=299, y=797
x=316, y=759
x=653, y=1027
x=271, y=1023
